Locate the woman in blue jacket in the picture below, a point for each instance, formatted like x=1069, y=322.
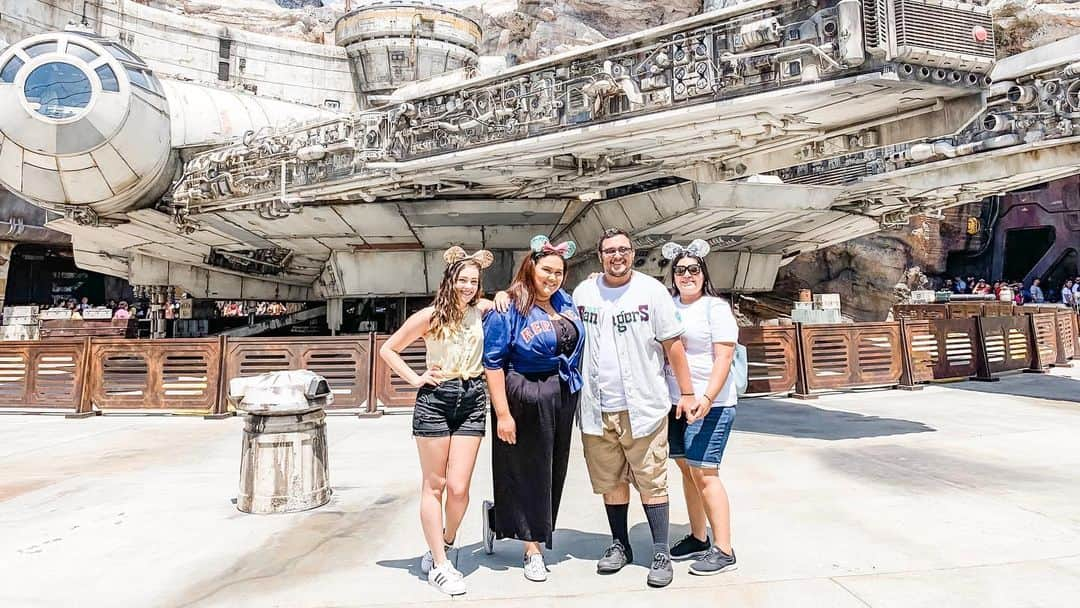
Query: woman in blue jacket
x=531, y=360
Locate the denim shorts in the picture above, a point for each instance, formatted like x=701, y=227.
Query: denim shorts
x=453, y=407
x=701, y=443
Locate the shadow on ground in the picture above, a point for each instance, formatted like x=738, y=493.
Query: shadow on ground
x=566, y=544
x=805, y=421
x=1039, y=386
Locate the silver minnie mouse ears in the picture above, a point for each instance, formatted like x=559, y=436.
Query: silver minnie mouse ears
x=697, y=248
x=541, y=244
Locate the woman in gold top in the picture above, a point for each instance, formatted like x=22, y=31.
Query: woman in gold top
x=451, y=405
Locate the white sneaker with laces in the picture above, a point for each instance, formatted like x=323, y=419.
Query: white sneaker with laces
x=447, y=579
x=535, y=569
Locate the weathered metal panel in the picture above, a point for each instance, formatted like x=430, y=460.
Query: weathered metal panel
x=390, y=389
x=177, y=375
x=771, y=358
x=844, y=356
x=47, y=375
x=344, y=362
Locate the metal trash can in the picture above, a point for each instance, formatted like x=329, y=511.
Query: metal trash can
x=283, y=460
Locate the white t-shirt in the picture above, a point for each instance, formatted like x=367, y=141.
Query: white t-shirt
x=706, y=321
x=609, y=381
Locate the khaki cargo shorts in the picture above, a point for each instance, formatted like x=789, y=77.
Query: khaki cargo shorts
x=616, y=457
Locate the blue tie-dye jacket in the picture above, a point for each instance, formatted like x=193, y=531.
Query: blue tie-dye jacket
x=527, y=343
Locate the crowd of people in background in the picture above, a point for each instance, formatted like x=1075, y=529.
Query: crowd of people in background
x=118, y=310
x=123, y=310
x=260, y=309
x=1068, y=293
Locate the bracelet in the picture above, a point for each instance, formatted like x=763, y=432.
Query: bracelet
x=711, y=399
x=687, y=394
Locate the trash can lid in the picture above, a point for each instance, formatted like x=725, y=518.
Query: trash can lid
x=281, y=393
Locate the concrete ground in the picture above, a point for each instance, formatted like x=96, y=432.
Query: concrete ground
x=958, y=495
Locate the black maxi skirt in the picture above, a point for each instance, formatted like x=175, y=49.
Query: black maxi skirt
x=529, y=475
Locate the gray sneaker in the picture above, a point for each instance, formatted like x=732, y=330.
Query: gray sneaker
x=660, y=572
x=615, y=557
x=488, y=534
x=714, y=562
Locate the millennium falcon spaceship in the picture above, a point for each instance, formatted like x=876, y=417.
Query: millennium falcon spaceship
x=233, y=165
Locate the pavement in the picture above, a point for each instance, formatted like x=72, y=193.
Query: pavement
x=963, y=494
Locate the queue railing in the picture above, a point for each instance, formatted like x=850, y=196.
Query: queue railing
x=84, y=376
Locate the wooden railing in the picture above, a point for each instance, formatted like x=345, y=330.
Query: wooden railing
x=390, y=389
x=179, y=376
x=49, y=376
x=770, y=352
x=849, y=355
x=344, y=361
x=190, y=376
x=1005, y=344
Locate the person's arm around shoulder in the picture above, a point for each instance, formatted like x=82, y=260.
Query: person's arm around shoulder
x=414, y=328
x=668, y=330
x=497, y=338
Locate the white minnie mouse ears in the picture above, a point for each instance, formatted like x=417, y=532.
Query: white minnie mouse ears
x=697, y=248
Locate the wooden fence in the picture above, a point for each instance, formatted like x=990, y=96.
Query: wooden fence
x=84, y=376
x=344, y=361
x=181, y=375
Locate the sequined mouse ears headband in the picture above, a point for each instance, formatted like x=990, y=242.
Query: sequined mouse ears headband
x=455, y=254
x=697, y=248
x=541, y=244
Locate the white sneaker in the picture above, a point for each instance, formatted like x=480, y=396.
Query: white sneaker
x=488, y=533
x=447, y=579
x=535, y=570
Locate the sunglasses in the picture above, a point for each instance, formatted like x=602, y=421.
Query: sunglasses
x=692, y=270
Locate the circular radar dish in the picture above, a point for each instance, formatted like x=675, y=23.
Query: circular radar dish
x=58, y=91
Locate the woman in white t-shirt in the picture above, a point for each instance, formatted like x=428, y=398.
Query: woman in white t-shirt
x=697, y=438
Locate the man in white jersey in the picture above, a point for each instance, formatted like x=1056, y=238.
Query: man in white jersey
x=630, y=324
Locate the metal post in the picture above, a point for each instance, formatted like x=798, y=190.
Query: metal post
x=802, y=382
x=907, y=366
x=6, y=248
x=982, y=358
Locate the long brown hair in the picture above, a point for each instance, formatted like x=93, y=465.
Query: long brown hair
x=447, y=315
x=522, y=289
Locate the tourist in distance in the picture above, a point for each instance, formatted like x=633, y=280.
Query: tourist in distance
x=122, y=312
x=451, y=405
x=630, y=324
x=531, y=359
x=1036, y=291
x=697, y=438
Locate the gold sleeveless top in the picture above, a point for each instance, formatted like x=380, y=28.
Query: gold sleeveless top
x=460, y=351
